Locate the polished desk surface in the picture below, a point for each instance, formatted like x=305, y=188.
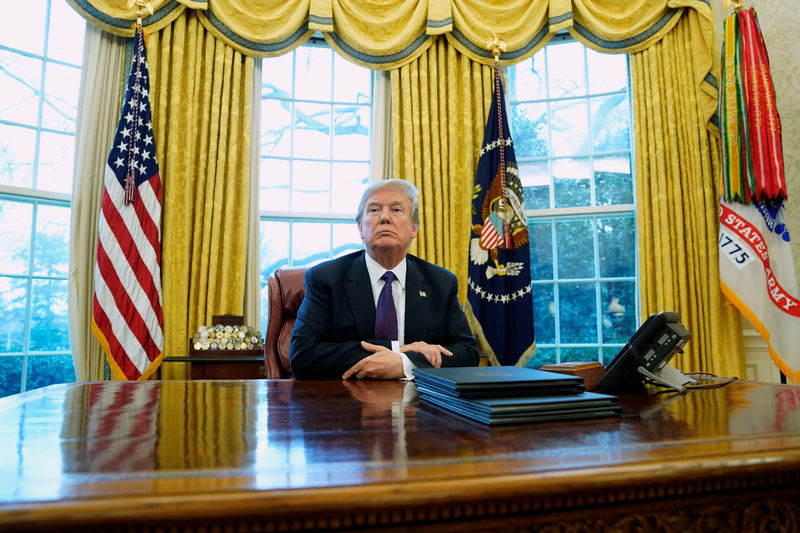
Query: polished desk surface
x=85, y=454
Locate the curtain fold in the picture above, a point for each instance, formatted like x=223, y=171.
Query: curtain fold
x=439, y=108
x=677, y=165
x=201, y=100
x=98, y=114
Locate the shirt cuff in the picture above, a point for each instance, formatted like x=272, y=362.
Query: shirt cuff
x=408, y=366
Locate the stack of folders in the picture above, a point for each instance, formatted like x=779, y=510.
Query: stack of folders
x=497, y=395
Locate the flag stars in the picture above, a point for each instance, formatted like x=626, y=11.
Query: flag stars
x=119, y=162
x=148, y=140
x=122, y=147
x=498, y=298
x=125, y=132
x=145, y=155
x=129, y=117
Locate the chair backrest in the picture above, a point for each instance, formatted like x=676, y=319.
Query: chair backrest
x=285, y=294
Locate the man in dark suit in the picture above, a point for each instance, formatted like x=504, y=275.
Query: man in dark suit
x=336, y=336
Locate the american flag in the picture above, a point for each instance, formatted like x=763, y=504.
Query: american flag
x=127, y=318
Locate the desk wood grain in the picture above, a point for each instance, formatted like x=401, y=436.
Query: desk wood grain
x=303, y=455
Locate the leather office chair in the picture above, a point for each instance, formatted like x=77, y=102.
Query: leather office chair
x=285, y=294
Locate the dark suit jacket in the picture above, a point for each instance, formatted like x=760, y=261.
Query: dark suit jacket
x=338, y=312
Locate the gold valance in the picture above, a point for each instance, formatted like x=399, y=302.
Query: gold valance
x=387, y=34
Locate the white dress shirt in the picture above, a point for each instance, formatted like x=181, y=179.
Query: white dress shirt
x=375, y=271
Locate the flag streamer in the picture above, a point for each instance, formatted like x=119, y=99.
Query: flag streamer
x=751, y=134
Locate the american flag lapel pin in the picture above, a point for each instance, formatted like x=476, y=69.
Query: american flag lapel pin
x=423, y=294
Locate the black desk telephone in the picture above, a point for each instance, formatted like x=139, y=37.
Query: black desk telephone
x=646, y=355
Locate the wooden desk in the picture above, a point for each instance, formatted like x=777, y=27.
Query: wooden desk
x=283, y=455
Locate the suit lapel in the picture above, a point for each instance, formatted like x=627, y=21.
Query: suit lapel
x=418, y=293
x=359, y=296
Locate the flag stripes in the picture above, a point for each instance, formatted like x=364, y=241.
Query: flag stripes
x=115, y=441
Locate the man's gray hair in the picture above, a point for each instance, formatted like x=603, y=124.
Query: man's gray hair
x=406, y=187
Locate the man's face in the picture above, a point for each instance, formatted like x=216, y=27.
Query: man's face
x=386, y=225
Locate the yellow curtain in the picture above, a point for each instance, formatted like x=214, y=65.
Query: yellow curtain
x=201, y=98
x=439, y=108
x=677, y=168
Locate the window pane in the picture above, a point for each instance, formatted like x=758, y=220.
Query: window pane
x=616, y=242
x=572, y=182
x=613, y=180
x=618, y=301
x=310, y=186
x=529, y=79
x=274, y=192
x=607, y=72
x=584, y=353
x=49, y=316
x=541, y=248
x=351, y=133
x=15, y=227
x=277, y=77
x=25, y=32
x=61, y=87
x=349, y=180
x=12, y=314
x=575, y=243
x=51, y=256
x=10, y=375
x=569, y=125
x=46, y=370
x=20, y=78
x=544, y=313
x=276, y=128
x=535, y=178
x=345, y=239
x=312, y=127
x=529, y=130
x=67, y=29
x=542, y=356
x=311, y=242
x=565, y=65
x=313, y=66
x=274, y=251
x=577, y=306
x=351, y=83
x=56, y=152
x=17, y=147
x=610, y=123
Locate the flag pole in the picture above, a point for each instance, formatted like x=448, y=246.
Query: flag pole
x=497, y=45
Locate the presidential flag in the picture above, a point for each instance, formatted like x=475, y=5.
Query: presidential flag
x=126, y=314
x=755, y=259
x=499, y=301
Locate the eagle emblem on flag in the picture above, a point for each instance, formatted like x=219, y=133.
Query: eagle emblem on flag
x=504, y=225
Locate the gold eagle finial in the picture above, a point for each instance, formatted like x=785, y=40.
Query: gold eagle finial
x=496, y=45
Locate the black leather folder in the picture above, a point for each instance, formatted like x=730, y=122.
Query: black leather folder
x=515, y=410
x=496, y=381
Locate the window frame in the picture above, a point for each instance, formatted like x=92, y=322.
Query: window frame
x=553, y=215
x=37, y=198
